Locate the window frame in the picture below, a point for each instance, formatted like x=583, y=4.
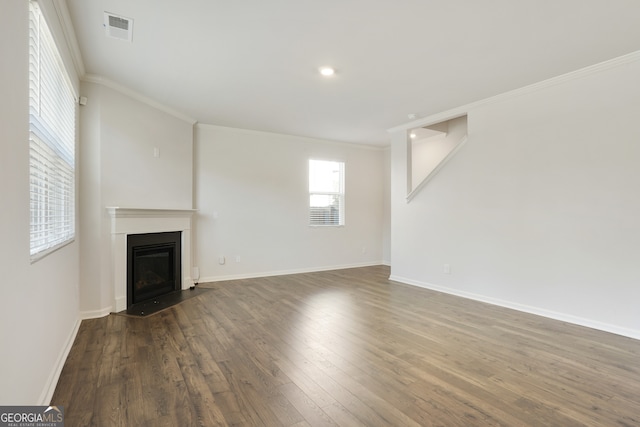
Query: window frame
x=52, y=142
x=340, y=194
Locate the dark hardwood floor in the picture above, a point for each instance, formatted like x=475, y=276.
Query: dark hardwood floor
x=346, y=348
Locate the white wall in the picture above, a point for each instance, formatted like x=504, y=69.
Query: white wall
x=252, y=201
x=118, y=136
x=39, y=301
x=539, y=210
x=130, y=131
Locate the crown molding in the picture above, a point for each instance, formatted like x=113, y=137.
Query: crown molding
x=103, y=81
x=573, y=75
x=62, y=12
x=298, y=138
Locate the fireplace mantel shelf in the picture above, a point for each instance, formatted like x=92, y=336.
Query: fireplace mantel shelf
x=118, y=212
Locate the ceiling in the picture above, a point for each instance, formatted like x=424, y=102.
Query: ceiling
x=253, y=64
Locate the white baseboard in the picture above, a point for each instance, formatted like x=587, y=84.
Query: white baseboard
x=95, y=314
x=563, y=317
x=52, y=381
x=120, y=303
x=285, y=272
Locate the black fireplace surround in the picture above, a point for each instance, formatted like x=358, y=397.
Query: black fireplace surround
x=153, y=265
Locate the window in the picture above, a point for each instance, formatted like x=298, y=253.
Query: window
x=326, y=192
x=52, y=112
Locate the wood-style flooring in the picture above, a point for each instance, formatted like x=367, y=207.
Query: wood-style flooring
x=347, y=348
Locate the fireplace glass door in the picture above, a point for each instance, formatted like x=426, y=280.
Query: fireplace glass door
x=153, y=266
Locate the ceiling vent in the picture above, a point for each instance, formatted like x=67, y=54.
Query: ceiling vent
x=118, y=27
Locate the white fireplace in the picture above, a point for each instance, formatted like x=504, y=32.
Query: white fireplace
x=126, y=221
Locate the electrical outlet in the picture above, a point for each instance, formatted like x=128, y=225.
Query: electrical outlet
x=237, y=258
x=446, y=269
x=221, y=260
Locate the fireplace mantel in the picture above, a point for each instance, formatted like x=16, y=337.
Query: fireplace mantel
x=125, y=221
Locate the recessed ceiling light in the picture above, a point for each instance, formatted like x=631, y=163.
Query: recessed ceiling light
x=412, y=135
x=327, y=71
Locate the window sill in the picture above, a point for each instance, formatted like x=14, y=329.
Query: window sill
x=43, y=254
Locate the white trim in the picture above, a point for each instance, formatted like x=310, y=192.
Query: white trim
x=573, y=75
x=563, y=317
x=118, y=212
x=71, y=40
x=285, y=272
x=43, y=254
x=97, y=79
x=52, y=381
x=96, y=314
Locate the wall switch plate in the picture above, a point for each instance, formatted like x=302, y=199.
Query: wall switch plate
x=446, y=269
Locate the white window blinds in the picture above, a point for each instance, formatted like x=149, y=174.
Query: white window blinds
x=51, y=141
x=326, y=192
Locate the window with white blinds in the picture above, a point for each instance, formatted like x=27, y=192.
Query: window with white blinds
x=326, y=192
x=52, y=112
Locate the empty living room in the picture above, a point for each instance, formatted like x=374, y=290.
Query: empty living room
x=340, y=213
